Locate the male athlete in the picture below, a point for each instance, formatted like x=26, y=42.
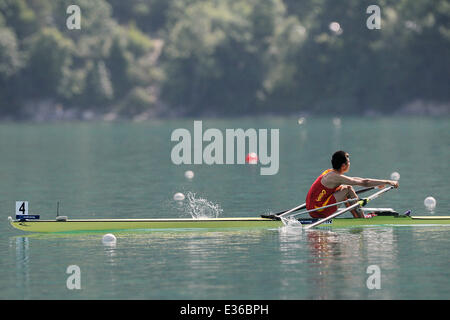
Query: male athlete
x=332, y=186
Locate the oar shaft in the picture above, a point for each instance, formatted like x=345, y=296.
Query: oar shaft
x=293, y=209
x=300, y=207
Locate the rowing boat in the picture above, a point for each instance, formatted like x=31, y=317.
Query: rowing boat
x=80, y=225
x=385, y=216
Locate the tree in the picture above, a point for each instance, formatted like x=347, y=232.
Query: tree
x=49, y=53
x=216, y=55
x=10, y=64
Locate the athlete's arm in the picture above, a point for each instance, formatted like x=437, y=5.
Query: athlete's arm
x=363, y=182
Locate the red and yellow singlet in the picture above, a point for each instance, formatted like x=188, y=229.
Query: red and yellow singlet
x=319, y=196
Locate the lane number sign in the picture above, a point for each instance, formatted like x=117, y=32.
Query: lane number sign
x=21, y=208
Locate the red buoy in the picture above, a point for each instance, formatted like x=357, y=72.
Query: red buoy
x=251, y=158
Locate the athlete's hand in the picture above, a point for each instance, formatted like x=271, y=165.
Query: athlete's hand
x=393, y=183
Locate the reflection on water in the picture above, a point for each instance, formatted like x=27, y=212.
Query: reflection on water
x=22, y=265
x=288, y=263
x=336, y=262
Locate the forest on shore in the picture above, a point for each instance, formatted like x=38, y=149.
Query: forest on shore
x=150, y=58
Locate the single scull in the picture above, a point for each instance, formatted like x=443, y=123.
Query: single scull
x=386, y=217
x=80, y=225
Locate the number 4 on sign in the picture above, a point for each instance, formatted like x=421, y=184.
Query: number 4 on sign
x=21, y=208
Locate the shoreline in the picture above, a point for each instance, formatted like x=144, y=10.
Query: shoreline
x=50, y=112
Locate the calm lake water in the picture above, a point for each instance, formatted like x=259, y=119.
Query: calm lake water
x=124, y=170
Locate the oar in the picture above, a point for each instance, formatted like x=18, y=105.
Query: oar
x=360, y=203
x=276, y=216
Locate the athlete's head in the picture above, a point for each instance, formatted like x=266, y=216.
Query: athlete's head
x=340, y=161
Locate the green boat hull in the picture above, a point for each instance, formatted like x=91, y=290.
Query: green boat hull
x=133, y=224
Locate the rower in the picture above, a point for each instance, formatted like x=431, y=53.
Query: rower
x=333, y=186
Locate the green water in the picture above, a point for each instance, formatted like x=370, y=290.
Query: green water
x=102, y=170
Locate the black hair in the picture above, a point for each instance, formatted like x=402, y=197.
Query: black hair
x=338, y=159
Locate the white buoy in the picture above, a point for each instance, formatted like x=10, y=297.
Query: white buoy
x=337, y=122
x=335, y=26
x=189, y=174
x=109, y=239
x=395, y=176
x=430, y=203
x=178, y=196
x=301, y=120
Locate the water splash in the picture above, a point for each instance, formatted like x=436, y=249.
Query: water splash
x=291, y=226
x=200, y=208
x=291, y=222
